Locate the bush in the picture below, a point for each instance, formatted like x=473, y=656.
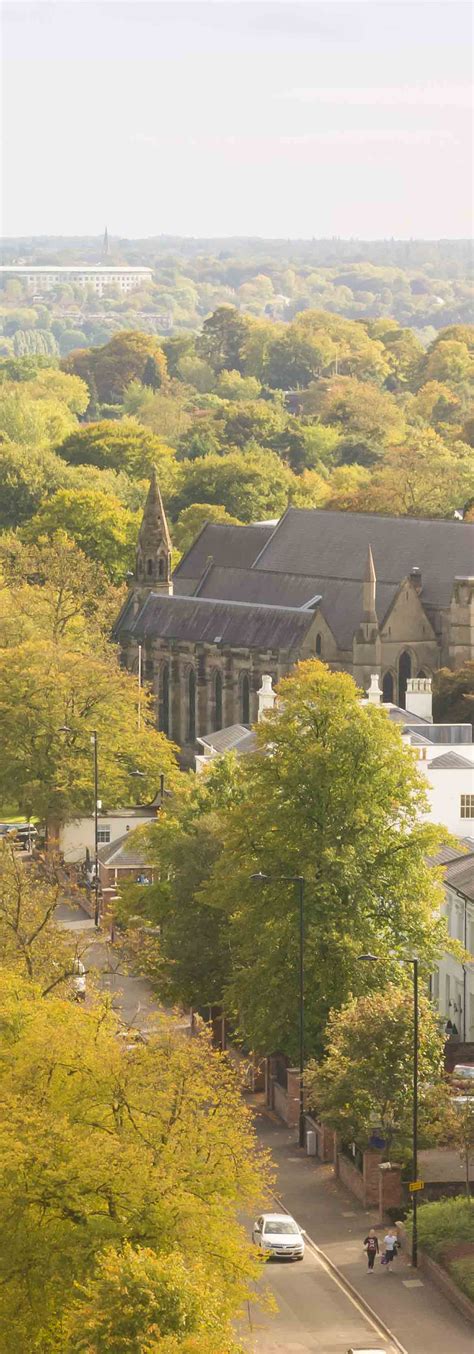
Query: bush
x=462, y=1271
x=443, y=1224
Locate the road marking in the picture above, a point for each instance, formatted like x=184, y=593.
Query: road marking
x=412, y=1283
x=346, y=1287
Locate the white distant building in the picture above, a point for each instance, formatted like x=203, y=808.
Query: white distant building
x=77, y=839
x=42, y=277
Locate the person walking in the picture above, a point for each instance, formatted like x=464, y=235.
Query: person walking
x=389, y=1249
x=372, y=1248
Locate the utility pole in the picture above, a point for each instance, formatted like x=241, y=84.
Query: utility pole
x=96, y=826
x=139, y=720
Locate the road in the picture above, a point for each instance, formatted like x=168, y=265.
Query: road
x=315, y=1315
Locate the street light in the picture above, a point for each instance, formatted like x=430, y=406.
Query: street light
x=298, y=879
x=373, y=959
x=94, y=741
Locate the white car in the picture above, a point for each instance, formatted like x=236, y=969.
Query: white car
x=279, y=1234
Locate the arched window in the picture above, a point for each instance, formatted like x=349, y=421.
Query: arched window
x=319, y=645
x=164, y=701
x=217, y=700
x=161, y=568
x=245, y=698
x=404, y=672
x=149, y=567
x=422, y=673
x=191, y=706
x=387, y=687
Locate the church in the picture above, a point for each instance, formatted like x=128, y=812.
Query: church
x=366, y=593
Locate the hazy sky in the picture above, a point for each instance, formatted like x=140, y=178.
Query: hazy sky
x=216, y=118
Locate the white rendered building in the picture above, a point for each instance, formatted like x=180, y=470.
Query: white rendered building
x=43, y=277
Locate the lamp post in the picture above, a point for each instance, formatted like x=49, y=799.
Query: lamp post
x=373, y=959
x=297, y=879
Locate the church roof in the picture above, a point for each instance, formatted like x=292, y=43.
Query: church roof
x=235, y=738
x=325, y=544
x=204, y=621
x=235, y=547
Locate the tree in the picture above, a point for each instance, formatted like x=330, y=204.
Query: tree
x=233, y=386
x=52, y=695
x=453, y=695
x=37, y=423
x=139, y=1300
x=357, y=354
x=367, y=418
x=424, y=478
x=447, y=361
x=31, y=943
x=365, y=1079
x=122, y=445
x=459, y=1128
x=52, y=588
x=295, y=358
x=121, y=360
x=221, y=342
x=252, y=484
x=34, y=341
x=151, y=374
x=338, y=800
x=191, y=521
x=99, y=524
x=163, y=411
x=404, y=351
x=49, y=383
x=104, y=1148
x=27, y=476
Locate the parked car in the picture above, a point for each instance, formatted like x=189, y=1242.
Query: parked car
x=25, y=834
x=462, y=1082
x=359, y=1349
x=79, y=980
x=277, y=1234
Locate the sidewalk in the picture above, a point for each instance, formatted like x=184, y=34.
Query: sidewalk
x=409, y=1304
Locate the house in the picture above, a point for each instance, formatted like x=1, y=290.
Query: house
x=77, y=838
x=120, y=862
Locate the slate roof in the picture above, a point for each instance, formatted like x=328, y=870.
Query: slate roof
x=252, y=585
x=451, y=761
x=236, y=737
x=460, y=876
x=328, y=545
x=446, y=854
x=239, y=624
x=236, y=547
x=120, y=854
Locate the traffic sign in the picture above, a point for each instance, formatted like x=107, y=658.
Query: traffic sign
x=416, y=1184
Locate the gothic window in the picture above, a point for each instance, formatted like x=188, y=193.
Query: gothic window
x=164, y=701
x=217, y=700
x=319, y=645
x=387, y=687
x=191, y=706
x=404, y=672
x=149, y=567
x=422, y=673
x=161, y=568
x=245, y=698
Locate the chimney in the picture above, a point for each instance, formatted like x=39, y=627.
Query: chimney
x=419, y=700
x=415, y=577
x=374, y=694
x=266, y=696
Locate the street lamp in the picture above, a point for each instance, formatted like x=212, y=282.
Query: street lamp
x=373, y=959
x=94, y=741
x=298, y=879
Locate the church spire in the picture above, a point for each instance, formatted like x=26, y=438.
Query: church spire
x=369, y=588
x=153, y=559
x=106, y=246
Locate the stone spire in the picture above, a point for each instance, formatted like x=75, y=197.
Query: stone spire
x=369, y=588
x=153, y=558
x=106, y=246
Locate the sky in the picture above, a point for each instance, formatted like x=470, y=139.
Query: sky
x=207, y=119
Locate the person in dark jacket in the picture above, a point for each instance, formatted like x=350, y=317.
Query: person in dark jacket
x=372, y=1247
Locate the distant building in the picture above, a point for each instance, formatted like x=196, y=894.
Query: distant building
x=41, y=277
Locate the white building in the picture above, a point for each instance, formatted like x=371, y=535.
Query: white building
x=76, y=839
x=452, y=986
x=41, y=278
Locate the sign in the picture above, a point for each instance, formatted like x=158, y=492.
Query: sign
x=416, y=1184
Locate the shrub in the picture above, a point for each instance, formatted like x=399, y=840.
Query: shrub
x=444, y=1224
x=462, y=1271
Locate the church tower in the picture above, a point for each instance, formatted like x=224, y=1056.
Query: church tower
x=153, y=557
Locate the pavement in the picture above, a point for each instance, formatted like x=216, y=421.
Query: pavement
x=419, y=1318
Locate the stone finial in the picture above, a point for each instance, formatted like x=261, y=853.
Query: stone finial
x=374, y=694
x=266, y=696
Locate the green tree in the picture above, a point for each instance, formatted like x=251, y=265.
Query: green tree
x=191, y=521
x=296, y=358
x=150, y=1148
x=34, y=341
x=453, y=695
x=222, y=340
x=367, y=418
x=233, y=386
x=424, y=478
x=118, y=362
x=31, y=943
x=152, y=375
x=52, y=695
x=338, y=800
x=120, y=445
x=37, y=423
x=27, y=475
x=252, y=484
x=365, y=1079
x=447, y=361
x=52, y=588
x=105, y=530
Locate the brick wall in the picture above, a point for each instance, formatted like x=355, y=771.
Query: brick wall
x=364, y=1184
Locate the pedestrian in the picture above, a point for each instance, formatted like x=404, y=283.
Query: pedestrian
x=389, y=1249
x=372, y=1247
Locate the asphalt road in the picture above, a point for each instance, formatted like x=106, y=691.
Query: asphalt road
x=315, y=1315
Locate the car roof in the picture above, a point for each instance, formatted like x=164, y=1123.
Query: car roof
x=277, y=1217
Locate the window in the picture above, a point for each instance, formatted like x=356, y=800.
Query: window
x=217, y=701
x=161, y=568
x=387, y=687
x=319, y=645
x=467, y=806
x=164, y=700
x=149, y=567
x=404, y=672
x=245, y=698
x=103, y=836
x=191, y=706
